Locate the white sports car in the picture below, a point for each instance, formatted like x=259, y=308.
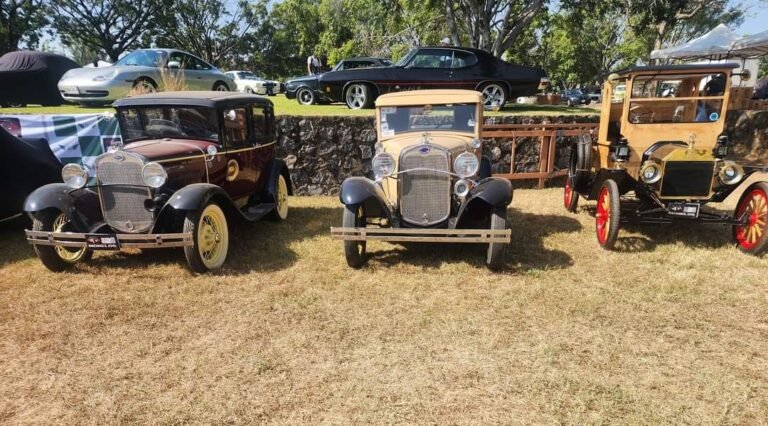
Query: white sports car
x=249, y=82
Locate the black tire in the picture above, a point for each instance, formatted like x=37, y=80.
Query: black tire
x=220, y=87
x=495, y=256
x=306, y=96
x=570, y=196
x=354, y=251
x=494, y=96
x=149, y=85
x=280, y=212
x=249, y=91
x=607, y=227
x=57, y=259
x=210, y=237
x=752, y=236
x=358, y=96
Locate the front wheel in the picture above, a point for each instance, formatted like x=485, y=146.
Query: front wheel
x=752, y=235
x=354, y=251
x=281, y=200
x=220, y=87
x=358, y=96
x=608, y=215
x=210, y=235
x=495, y=257
x=570, y=197
x=57, y=258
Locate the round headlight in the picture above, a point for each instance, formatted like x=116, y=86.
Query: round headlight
x=154, y=175
x=466, y=164
x=731, y=173
x=74, y=176
x=476, y=143
x=650, y=173
x=383, y=164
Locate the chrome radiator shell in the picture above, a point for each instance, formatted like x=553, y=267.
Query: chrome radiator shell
x=122, y=192
x=424, y=194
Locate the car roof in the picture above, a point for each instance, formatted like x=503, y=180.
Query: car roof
x=421, y=97
x=192, y=98
x=681, y=67
x=365, y=58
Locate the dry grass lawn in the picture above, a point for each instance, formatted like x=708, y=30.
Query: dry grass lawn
x=673, y=328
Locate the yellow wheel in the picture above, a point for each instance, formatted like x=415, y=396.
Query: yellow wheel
x=281, y=200
x=211, y=238
x=57, y=258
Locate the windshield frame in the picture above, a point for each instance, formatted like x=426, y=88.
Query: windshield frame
x=385, y=132
x=213, y=120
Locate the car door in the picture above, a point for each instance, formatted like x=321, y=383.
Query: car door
x=466, y=72
x=240, y=146
x=428, y=69
x=208, y=75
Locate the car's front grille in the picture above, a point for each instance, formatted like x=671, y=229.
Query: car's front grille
x=687, y=179
x=425, y=195
x=123, y=192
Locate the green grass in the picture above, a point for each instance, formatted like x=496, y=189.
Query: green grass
x=284, y=106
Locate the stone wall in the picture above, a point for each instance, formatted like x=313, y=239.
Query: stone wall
x=322, y=151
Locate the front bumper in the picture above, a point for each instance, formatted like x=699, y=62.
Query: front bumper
x=144, y=241
x=84, y=90
x=420, y=235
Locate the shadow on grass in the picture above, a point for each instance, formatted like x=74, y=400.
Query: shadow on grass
x=13, y=243
x=257, y=246
x=526, y=252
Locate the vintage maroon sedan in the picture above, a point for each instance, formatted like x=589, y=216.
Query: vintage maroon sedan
x=191, y=161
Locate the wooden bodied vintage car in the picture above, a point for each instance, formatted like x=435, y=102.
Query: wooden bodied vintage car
x=431, y=182
x=191, y=161
x=661, y=155
x=435, y=68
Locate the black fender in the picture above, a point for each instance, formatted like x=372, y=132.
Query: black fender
x=359, y=190
x=488, y=194
x=580, y=163
x=623, y=180
x=190, y=198
x=51, y=196
x=277, y=168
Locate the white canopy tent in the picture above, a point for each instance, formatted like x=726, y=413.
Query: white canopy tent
x=751, y=46
x=716, y=44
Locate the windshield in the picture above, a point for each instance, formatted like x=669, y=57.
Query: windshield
x=144, y=58
x=404, y=60
x=689, y=98
x=170, y=122
x=404, y=119
x=247, y=75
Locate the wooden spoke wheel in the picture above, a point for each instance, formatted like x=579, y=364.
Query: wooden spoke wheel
x=608, y=215
x=211, y=238
x=752, y=235
x=354, y=251
x=570, y=197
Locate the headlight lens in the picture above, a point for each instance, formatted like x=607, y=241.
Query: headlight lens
x=466, y=164
x=650, y=173
x=383, y=164
x=476, y=143
x=74, y=176
x=731, y=173
x=154, y=175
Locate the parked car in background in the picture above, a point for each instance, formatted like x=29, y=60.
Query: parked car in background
x=573, y=97
x=434, y=67
x=250, y=82
x=31, y=77
x=143, y=71
x=304, y=88
x=595, y=97
x=431, y=182
x=191, y=163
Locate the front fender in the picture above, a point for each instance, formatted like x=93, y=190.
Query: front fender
x=489, y=193
x=359, y=190
x=53, y=195
x=194, y=196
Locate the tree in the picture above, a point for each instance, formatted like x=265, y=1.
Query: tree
x=491, y=25
x=21, y=21
x=112, y=26
x=209, y=29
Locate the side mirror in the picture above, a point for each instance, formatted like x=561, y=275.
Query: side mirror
x=174, y=65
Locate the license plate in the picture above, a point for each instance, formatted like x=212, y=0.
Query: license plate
x=102, y=242
x=689, y=210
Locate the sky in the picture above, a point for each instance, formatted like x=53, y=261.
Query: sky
x=756, y=18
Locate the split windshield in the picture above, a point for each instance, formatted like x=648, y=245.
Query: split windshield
x=170, y=122
x=689, y=98
x=404, y=119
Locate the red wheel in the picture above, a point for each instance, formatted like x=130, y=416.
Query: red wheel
x=570, y=197
x=608, y=215
x=752, y=236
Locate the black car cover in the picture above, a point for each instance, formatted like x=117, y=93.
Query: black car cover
x=25, y=165
x=28, y=77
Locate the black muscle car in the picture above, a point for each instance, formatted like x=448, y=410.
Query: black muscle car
x=434, y=68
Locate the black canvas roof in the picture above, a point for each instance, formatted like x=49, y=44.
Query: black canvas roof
x=212, y=99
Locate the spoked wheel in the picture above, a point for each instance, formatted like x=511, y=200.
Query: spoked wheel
x=358, y=96
x=306, y=96
x=494, y=96
x=570, y=197
x=752, y=236
x=608, y=215
x=281, y=200
x=495, y=258
x=211, y=238
x=354, y=251
x=57, y=258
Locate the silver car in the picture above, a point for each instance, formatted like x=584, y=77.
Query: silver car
x=250, y=82
x=142, y=69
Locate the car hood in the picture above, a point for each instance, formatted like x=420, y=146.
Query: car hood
x=454, y=143
x=302, y=79
x=170, y=149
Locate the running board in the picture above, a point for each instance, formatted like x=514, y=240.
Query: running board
x=258, y=211
x=430, y=235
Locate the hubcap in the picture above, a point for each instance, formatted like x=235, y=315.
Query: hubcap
x=493, y=96
x=356, y=96
x=305, y=96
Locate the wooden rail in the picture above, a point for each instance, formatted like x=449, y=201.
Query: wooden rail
x=548, y=134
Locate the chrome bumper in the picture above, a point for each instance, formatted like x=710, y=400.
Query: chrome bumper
x=71, y=239
x=430, y=235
